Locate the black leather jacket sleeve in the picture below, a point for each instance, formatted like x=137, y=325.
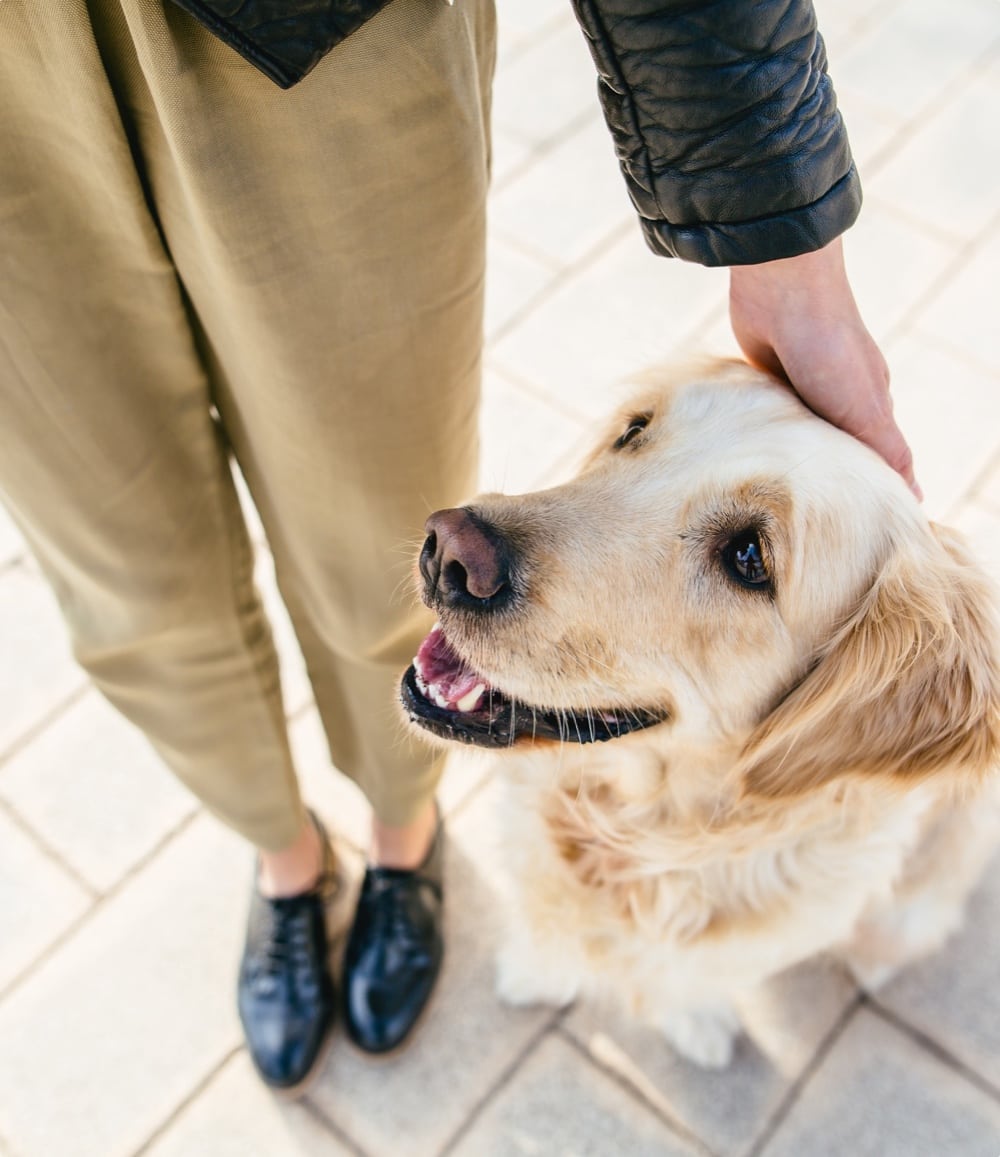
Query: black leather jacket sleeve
x=725, y=124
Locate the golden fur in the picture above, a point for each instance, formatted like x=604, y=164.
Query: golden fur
x=824, y=780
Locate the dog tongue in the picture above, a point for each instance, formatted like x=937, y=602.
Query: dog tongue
x=449, y=680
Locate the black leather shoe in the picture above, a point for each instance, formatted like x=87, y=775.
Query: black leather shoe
x=394, y=951
x=286, y=998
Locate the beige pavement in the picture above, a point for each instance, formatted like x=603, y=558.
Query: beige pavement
x=122, y=905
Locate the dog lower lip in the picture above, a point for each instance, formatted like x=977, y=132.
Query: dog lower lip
x=501, y=722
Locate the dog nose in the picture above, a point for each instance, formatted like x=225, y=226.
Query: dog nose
x=463, y=559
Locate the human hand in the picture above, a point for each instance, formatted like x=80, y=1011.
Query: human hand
x=797, y=317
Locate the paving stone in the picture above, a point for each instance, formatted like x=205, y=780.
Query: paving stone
x=236, y=1116
x=907, y=59
x=513, y=279
x=534, y=210
x=525, y=440
x=878, y=1094
x=509, y=155
x=990, y=493
x=542, y=91
x=979, y=521
x=891, y=264
x=964, y=313
x=952, y=996
x=870, y=128
x=559, y=1104
x=713, y=339
x=467, y=1041
x=623, y=313
x=12, y=545
x=520, y=21
x=949, y=458
x=39, y=901
x=95, y=790
x=948, y=172
x=841, y=22
x=38, y=672
x=785, y=1022
x=134, y=1011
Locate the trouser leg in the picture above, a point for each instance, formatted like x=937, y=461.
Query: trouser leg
x=330, y=239
x=109, y=458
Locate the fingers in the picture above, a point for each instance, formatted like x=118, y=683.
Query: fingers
x=886, y=438
x=798, y=319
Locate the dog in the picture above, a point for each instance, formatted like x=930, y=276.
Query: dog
x=748, y=700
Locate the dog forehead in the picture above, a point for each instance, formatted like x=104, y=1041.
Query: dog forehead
x=740, y=425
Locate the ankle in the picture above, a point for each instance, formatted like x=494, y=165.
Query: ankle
x=407, y=846
x=294, y=869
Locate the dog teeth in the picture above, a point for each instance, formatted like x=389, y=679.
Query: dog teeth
x=438, y=698
x=422, y=686
x=471, y=698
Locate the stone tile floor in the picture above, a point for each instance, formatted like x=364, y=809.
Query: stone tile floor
x=117, y=1029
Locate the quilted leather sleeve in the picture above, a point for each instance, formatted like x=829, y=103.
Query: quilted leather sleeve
x=284, y=40
x=725, y=124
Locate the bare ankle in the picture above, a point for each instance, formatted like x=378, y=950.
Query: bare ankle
x=294, y=869
x=406, y=846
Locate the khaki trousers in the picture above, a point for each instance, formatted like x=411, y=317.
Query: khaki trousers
x=195, y=264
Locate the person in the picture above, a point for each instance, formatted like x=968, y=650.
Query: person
x=199, y=266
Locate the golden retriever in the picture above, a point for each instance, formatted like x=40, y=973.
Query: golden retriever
x=751, y=699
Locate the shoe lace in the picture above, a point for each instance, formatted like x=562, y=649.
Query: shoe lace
x=285, y=944
x=391, y=918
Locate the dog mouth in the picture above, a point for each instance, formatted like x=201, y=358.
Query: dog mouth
x=443, y=694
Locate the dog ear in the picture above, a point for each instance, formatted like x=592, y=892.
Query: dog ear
x=907, y=687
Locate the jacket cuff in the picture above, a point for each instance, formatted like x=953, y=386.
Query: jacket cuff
x=785, y=234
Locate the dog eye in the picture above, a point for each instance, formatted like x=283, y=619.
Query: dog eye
x=636, y=426
x=744, y=558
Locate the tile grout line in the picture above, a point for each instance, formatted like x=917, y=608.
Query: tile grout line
x=15, y=562
x=529, y=38
x=101, y=901
x=507, y=1074
x=959, y=262
x=791, y=1097
x=937, y=1050
x=539, y=394
x=939, y=234
x=186, y=1100
x=930, y=109
x=51, y=853
x=673, y=1123
x=540, y=149
x=975, y=494
x=52, y=715
x=870, y=19
x=612, y=238
x=332, y=1127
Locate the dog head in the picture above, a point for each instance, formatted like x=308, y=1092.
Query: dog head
x=727, y=566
